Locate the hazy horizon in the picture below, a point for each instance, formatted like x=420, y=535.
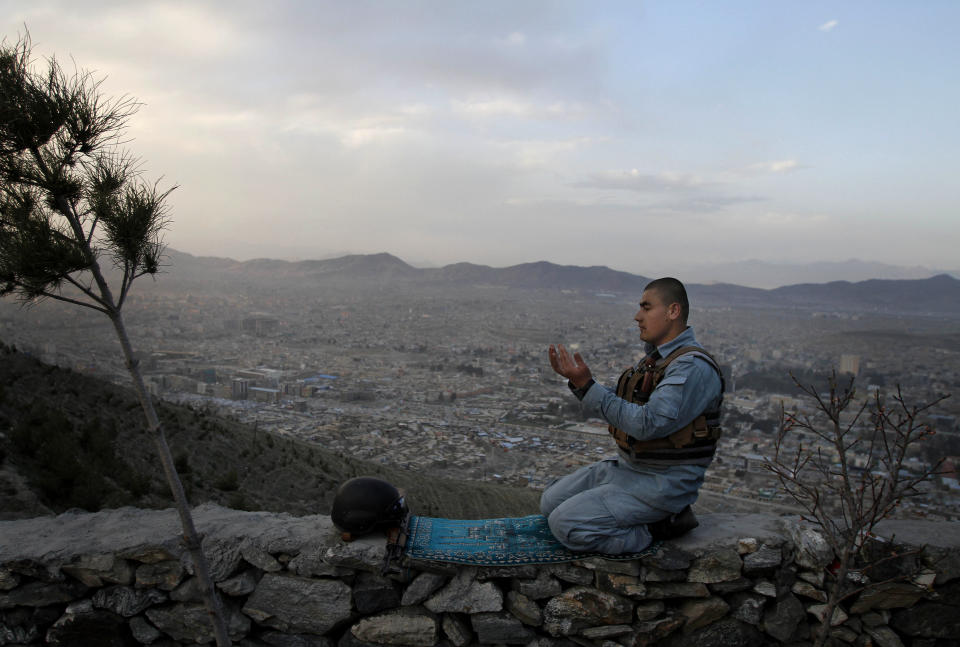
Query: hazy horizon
x=744, y=273
x=650, y=137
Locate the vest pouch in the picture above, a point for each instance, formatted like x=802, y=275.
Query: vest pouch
x=700, y=429
x=682, y=437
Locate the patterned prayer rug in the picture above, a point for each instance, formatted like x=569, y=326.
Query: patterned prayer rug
x=494, y=542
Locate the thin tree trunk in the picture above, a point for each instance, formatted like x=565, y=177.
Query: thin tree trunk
x=190, y=536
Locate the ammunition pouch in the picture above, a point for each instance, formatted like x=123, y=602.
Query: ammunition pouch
x=695, y=434
x=695, y=442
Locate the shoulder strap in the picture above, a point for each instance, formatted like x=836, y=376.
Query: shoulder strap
x=684, y=350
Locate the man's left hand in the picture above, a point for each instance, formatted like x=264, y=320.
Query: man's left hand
x=572, y=368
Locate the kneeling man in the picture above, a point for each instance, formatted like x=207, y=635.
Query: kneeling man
x=665, y=418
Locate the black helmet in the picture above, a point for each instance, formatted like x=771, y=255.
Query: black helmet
x=364, y=503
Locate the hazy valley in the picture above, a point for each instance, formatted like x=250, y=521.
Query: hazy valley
x=367, y=365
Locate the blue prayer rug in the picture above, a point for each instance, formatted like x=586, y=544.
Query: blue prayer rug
x=494, y=542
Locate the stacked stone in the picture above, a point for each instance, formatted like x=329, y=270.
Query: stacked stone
x=289, y=581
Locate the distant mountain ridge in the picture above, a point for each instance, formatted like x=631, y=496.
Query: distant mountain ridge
x=767, y=275
x=937, y=295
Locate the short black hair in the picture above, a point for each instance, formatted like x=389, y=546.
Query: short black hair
x=671, y=290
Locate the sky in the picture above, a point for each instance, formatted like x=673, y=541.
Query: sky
x=644, y=136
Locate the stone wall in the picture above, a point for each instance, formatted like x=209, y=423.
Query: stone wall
x=121, y=577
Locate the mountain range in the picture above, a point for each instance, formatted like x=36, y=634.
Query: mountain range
x=764, y=274
x=935, y=296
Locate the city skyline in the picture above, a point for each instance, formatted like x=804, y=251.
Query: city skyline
x=501, y=134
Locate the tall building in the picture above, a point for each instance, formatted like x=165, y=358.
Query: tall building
x=240, y=389
x=850, y=364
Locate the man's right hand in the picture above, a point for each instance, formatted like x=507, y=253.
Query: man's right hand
x=572, y=368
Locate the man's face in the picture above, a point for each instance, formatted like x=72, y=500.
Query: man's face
x=656, y=318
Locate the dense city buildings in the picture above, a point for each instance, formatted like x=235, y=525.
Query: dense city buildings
x=456, y=381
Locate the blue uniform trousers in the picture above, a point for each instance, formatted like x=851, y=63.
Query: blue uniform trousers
x=606, y=506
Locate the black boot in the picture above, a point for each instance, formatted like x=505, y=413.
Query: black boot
x=674, y=525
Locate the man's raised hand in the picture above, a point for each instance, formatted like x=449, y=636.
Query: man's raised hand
x=572, y=368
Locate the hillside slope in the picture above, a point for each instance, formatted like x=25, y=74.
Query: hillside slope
x=67, y=440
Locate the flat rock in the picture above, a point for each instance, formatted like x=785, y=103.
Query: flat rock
x=524, y=609
x=41, y=594
x=364, y=554
x=766, y=558
x=465, y=595
x=718, y=565
x=500, y=627
x=164, y=575
x=239, y=585
x=77, y=628
x=188, y=591
x=223, y=557
x=126, y=601
x=699, y=613
x=581, y=607
x=782, y=617
x=456, y=631
x=819, y=611
x=733, y=586
x=520, y=571
x=422, y=587
x=373, y=594
x=649, y=610
x=570, y=573
x=808, y=590
x=724, y=633
x=891, y=595
x=668, y=557
x=278, y=639
x=607, y=631
x=143, y=632
x=256, y=555
x=813, y=551
x=297, y=604
x=406, y=626
x=190, y=622
x=544, y=585
x=10, y=580
x=931, y=619
x=151, y=535
x=601, y=565
x=884, y=636
x=653, y=632
x=747, y=607
x=664, y=590
x=627, y=585
x=96, y=570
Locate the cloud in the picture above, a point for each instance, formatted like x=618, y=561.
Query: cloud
x=702, y=204
x=492, y=107
x=311, y=114
x=829, y=25
x=672, y=193
x=517, y=38
x=782, y=166
x=543, y=153
x=775, y=166
x=634, y=180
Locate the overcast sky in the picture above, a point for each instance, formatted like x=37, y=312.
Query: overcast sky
x=639, y=135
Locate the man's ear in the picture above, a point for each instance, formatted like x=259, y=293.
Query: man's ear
x=674, y=310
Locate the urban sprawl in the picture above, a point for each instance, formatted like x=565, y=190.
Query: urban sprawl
x=456, y=383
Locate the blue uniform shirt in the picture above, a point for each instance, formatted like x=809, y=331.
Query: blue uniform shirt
x=689, y=387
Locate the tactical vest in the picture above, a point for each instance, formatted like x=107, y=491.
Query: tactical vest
x=695, y=444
